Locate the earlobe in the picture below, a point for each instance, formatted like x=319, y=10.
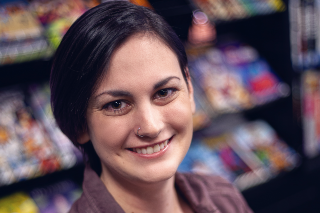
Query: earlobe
x=83, y=138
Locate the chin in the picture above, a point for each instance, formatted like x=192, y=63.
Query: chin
x=155, y=174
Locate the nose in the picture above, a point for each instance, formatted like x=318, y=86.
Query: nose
x=149, y=122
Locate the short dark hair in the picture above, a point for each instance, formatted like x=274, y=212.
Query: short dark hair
x=85, y=52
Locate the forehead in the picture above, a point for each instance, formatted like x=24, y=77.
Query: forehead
x=142, y=58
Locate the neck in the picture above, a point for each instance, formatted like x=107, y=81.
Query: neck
x=159, y=197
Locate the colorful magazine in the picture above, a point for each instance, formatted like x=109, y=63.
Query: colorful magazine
x=26, y=147
x=57, y=197
x=40, y=102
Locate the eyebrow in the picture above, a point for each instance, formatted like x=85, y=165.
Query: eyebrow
x=121, y=93
x=116, y=93
x=164, y=82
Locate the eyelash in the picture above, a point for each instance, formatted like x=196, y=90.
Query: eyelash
x=123, y=110
x=172, y=90
x=117, y=111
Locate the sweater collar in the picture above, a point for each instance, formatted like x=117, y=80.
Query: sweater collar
x=192, y=189
x=195, y=192
x=97, y=193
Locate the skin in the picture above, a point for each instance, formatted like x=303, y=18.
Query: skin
x=143, y=87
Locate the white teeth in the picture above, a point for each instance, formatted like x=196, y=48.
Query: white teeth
x=149, y=150
x=144, y=151
x=161, y=146
x=156, y=148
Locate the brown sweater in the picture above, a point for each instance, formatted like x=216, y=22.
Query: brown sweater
x=203, y=193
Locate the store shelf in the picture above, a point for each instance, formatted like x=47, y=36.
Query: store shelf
x=75, y=174
x=295, y=191
x=229, y=120
x=24, y=73
x=298, y=190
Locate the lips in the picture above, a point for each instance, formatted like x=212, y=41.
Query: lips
x=148, y=150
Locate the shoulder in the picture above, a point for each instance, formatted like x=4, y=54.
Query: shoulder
x=95, y=197
x=81, y=205
x=219, y=191
x=208, y=180
x=212, y=183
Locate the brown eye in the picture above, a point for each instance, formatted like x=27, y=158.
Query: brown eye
x=163, y=93
x=118, y=107
x=116, y=104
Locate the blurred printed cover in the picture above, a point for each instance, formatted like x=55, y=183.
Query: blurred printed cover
x=57, y=16
x=226, y=10
x=311, y=112
x=304, y=34
x=56, y=197
x=53, y=198
x=21, y=34
x=30, y=143
x=18, y=202
x=247, y=155
x=33, y=29
x=233, y=77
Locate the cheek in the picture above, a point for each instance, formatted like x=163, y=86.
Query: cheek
x=106, y=134
x=179, y=115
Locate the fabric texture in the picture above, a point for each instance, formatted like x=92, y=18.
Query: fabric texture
x=205, y=194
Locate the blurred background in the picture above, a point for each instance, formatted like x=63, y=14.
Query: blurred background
x=255, y=68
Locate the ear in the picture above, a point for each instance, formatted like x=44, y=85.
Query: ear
x=191, y=98
x=83, y=138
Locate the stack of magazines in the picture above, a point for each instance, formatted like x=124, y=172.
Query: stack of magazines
x=230, y=78
x=57, y=197
x=247, y=155
x=31, y=144
x=227, y=10
x=33, y=29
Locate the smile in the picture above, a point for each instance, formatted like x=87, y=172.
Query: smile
x=148, y=150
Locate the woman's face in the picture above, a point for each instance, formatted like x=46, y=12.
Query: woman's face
x=143, y=88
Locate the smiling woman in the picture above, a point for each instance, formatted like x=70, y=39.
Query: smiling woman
x=121, y=92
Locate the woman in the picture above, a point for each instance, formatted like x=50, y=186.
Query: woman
x=122, y=93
